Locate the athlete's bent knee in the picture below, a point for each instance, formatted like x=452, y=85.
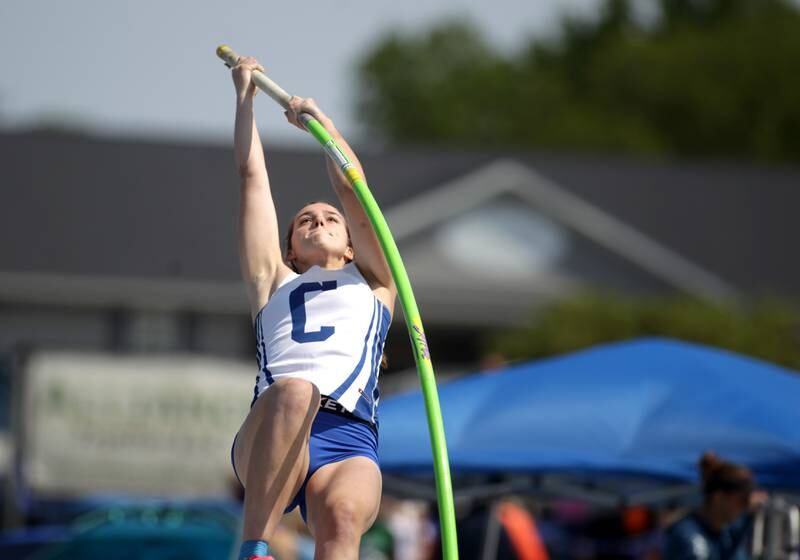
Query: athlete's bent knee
x=342, y=522
x=296, y=397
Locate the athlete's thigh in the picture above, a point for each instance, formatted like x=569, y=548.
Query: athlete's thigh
x=355, y=481
x=247, y=437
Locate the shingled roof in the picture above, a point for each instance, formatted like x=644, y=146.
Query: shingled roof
x=738, y=220
x=89, y=206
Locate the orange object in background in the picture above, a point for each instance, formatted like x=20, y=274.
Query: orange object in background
x=521, y=530
x=636, y=520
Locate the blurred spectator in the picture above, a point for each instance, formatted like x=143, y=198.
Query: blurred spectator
x=411, y=529
x=721, y=527
x=521, y=529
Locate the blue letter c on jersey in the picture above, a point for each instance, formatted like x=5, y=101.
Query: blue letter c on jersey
x=297, y=303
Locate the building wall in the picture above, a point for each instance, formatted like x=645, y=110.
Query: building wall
x=124, y=330
x=54, y=327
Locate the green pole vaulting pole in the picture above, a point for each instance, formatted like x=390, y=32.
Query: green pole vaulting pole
x=441, y=463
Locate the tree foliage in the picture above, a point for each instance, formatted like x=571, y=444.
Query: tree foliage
x=769, y=330
x=707, y=78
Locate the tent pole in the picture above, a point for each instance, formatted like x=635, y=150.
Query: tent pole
x=491, y=539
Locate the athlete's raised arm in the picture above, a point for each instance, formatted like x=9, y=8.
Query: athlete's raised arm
x=260, y=257
x=368, y=253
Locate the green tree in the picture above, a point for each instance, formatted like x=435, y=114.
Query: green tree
x=769, y=330
x=707, y=78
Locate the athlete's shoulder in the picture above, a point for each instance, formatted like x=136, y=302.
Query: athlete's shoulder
x=352, y=269
x=283, y=287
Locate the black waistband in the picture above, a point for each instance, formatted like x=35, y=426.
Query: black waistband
x=328, y=404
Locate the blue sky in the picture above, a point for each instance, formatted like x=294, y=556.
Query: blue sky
x=147, y=68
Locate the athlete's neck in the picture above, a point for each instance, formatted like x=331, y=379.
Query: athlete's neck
x=327, y=264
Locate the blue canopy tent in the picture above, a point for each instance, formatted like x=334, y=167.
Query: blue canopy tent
x=646, y=408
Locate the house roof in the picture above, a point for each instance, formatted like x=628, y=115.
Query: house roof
x=122, y=214
x=91, y=206
x=508, y=177
x=735, y=219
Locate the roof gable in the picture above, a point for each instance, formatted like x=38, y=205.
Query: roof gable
x=508, y=177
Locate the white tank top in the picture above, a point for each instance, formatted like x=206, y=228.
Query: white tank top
x=327, y=327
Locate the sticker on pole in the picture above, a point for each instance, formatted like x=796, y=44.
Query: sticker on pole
x=421, y=343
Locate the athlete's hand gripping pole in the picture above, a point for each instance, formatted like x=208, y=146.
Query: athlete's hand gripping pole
x=441, y=463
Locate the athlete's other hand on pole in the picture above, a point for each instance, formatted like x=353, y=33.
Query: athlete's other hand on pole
x=243, y=76
x=298, y=105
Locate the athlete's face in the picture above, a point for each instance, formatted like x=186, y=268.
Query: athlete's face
x=319, y=235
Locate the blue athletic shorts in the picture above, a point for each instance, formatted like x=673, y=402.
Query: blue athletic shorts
x=333, y=438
